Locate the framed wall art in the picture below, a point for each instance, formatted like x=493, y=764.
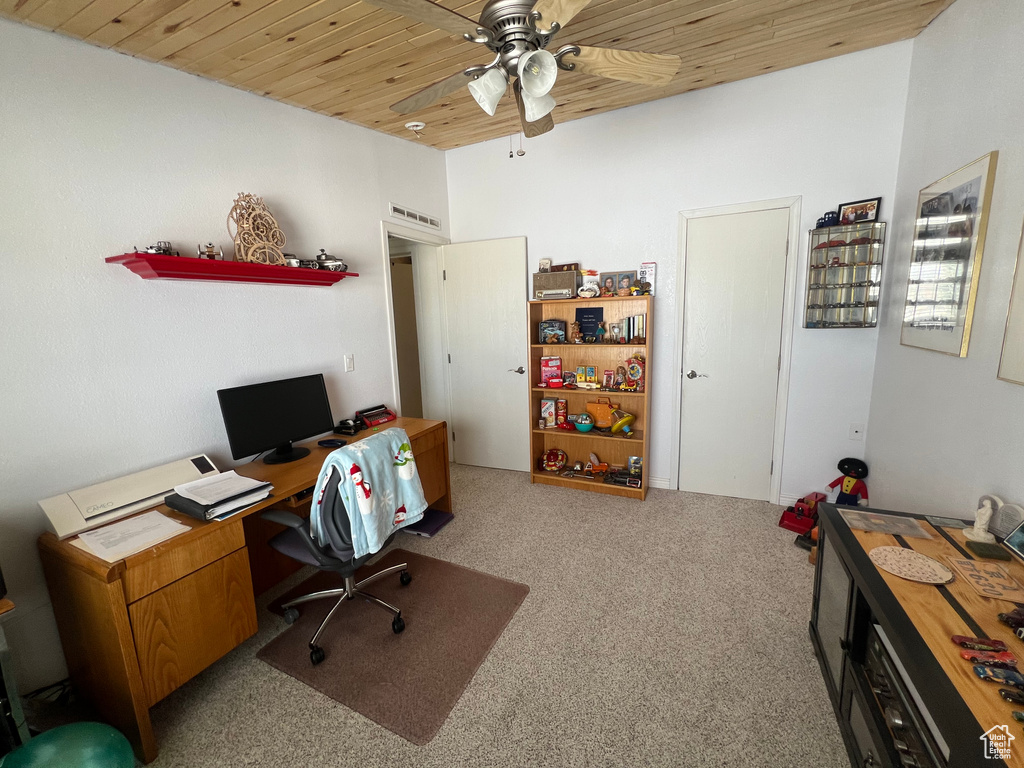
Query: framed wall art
x=861, y=210
x=1011, y=361
x=945, y=259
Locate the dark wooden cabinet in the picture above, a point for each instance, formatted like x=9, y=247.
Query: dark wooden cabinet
x=901, y=694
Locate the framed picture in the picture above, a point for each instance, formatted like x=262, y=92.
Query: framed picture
x=862, y=210
x=609, y=282
x=945, y=259
x=625, y=282
x=1011, y=361
x=544, y=266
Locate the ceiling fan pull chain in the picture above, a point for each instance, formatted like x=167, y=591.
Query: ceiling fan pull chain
x=565, y=50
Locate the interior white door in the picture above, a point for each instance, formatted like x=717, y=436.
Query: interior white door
x=485, y=299
x=735, y=275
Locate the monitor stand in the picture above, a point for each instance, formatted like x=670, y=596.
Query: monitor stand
x=285, y=453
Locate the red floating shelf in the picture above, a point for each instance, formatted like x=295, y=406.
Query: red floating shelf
x=155, y=266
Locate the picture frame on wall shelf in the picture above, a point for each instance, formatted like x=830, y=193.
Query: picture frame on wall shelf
x=945, y=259
x=860, y=210
x=1011, y=359
x=608, y=282
x=625, y=282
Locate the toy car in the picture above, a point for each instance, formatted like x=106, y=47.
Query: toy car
x=1003, y=660
x=979, y=644
x=1016, y=697
x=1013, y=620
x=1006, y=676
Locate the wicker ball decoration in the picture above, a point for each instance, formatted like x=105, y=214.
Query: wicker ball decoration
x=257, y=236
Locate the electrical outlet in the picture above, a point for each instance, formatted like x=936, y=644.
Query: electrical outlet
x=350, y=363
x=856, y=431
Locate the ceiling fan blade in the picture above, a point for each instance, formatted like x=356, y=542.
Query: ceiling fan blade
x=537, y=127
x=561, y=11
x=632, y=66
x=431, y=93
x=429, y=13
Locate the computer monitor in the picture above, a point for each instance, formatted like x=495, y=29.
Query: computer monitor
x=258, y=417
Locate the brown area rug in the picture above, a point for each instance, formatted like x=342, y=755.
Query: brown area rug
x=410, y=682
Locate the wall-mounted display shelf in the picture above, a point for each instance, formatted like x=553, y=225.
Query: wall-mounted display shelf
x=155, y=266
x=844, y=276
x=614, y=449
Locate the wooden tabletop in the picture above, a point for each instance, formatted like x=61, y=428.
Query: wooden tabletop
x=957, y=609
x=288, y=479
x=5, y=606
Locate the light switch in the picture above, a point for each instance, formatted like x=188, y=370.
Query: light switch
x=350, y=363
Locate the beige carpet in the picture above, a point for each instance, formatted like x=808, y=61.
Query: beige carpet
x=407, y=682
x=671, y=632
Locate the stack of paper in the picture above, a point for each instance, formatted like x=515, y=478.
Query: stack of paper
x=217, y=496
x=116, y=541
x=213, y=489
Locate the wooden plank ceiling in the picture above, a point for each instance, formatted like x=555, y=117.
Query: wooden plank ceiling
x=350, y=60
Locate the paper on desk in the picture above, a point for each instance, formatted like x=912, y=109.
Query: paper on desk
x=116, y=541
x=216, y=488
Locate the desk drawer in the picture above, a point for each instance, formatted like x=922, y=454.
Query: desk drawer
x=431, y=452
x=183, y=628
x=167, y=562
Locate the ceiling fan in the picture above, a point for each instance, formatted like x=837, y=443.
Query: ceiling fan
x=518, y=33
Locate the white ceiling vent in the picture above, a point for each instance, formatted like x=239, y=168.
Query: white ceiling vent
x=401, y=212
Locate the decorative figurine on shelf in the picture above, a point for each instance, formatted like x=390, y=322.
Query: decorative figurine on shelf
x=852, y=489
x=600, y=332
x=640, y=288
x=620, y=377
x=987, y=506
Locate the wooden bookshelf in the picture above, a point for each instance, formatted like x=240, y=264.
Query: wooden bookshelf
x=613, y=449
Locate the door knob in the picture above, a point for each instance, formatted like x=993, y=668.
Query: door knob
x=694, y=375
x=519, y=370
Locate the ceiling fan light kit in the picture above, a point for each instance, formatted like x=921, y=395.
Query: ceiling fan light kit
x=518, y=32
x=488, y=89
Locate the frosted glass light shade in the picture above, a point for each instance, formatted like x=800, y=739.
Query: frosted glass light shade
x=536, y=107
x=537, y=71
x=488, y=89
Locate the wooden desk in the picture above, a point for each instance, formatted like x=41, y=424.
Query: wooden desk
x=135, y=630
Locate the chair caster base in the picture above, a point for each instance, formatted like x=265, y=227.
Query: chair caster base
x=405, y=577
x=316, y=654
x=291, y=615
x=398, y=625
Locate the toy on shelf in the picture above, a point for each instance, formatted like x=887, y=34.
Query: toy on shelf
x=574, y=334
x=553, y=460
x=622, y=422
x=852, y=489
x=602, y=410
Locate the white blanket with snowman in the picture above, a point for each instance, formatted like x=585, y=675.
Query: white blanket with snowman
x=380, y=488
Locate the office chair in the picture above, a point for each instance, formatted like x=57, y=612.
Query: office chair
x=338, y=557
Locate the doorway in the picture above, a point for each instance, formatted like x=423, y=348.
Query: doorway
x=736, y=281
x=459, y=341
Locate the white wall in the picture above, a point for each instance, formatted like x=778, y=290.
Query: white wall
x=105, y=373
x=606, y=191
x=944, y=430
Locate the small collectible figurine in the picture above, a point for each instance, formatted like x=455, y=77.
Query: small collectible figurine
x=600, y=332
x=982, y=518
x=852, y=489
x=620, y=377
x=574, y=333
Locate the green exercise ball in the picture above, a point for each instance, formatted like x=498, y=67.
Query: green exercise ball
x=78, y=745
